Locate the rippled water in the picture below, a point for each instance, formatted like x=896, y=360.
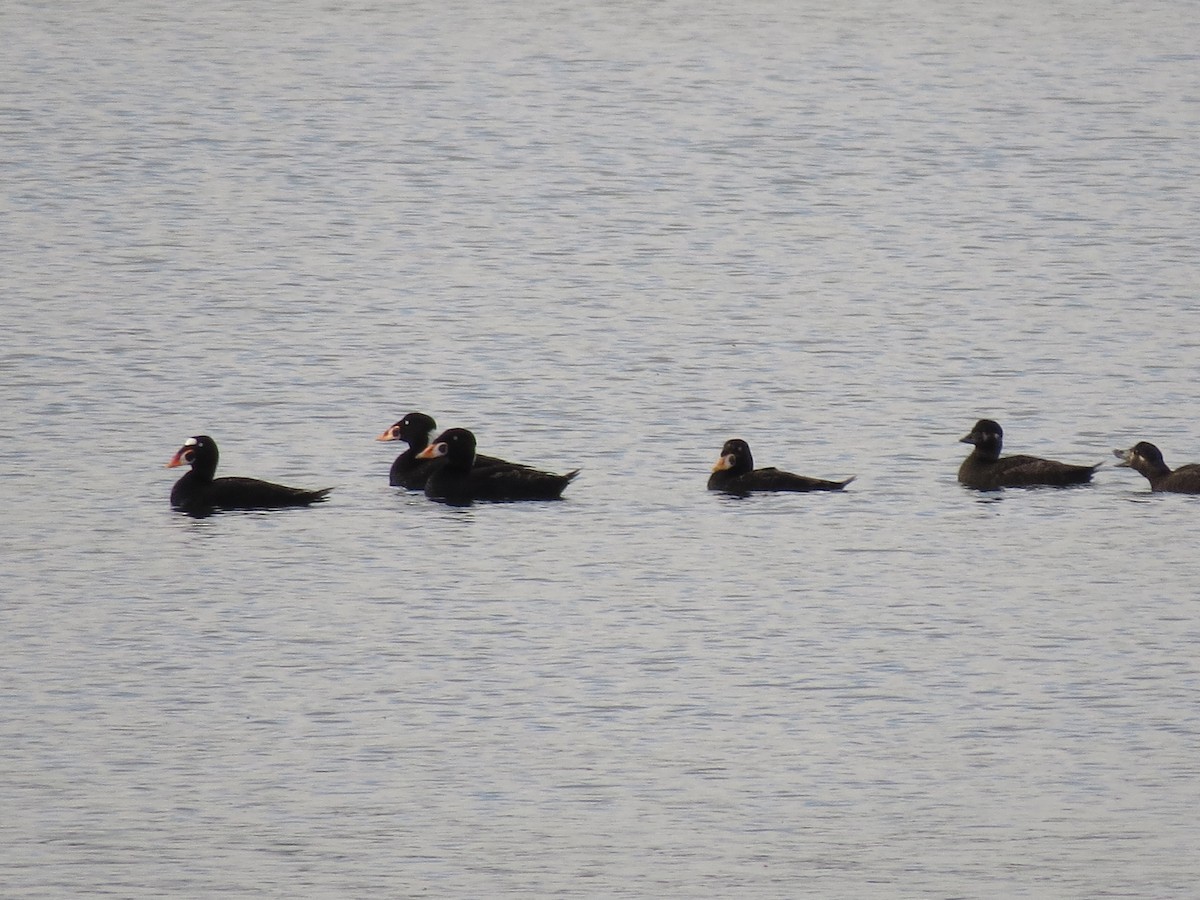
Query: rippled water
x=609, y=237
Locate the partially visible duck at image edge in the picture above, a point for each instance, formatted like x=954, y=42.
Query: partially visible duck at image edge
x=986, y=470
x=1147, y=459
x=734, y=473
x=199, y=491
x=459, y=481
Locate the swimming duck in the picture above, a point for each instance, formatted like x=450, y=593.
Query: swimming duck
x=734, y=472
x=459, y=481
x=1147, y=459
x=409, y=472
x=986, y=470
x=199, y=491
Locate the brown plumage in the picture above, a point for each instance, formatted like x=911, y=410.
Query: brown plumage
x=1147, y=459
x=986, y=470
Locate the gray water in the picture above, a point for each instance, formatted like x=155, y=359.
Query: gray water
x=606, y=236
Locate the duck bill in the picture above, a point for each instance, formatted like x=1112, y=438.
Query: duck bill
x=389, y=435
x=177, y=459
x=1125, y=457
x=967, y=439
x=725, y=462
x=433, y=451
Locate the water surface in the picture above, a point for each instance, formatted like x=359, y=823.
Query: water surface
x=611, y=238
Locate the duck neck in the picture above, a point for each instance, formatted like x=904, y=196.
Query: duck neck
x=460, y=463
x=1155, y=471
x=203, y=471
x=987, y=451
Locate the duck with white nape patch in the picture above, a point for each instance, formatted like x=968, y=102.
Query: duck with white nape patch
x=199, y=491
x=410, y=472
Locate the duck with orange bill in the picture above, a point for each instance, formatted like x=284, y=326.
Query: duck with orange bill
x=458, y=480
x=200, y=491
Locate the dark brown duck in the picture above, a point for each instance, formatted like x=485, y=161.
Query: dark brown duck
x=1147, y=459
x=986, y=470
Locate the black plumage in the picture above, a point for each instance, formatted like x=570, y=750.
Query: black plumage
x=458, y=480
x=986, y=470
x=1147, y=459
x=734, y=473
x=199, y=491
x=410, y=472
x=407, y=471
